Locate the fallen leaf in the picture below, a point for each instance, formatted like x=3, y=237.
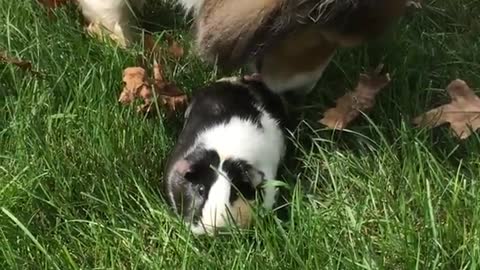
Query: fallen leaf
x=138, y=85
x=150, y=46
x=174, y=48
x=174, y=103
x=170, y=89
x=24, y=65
x=54, y=3
x=158, y=74
x=135, y=85
x=349, y=106
x=462, y=113
x=169, y=95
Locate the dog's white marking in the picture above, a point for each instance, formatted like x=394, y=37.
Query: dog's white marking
x=191, y=5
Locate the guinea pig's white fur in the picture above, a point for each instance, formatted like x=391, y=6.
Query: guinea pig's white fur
x=261, y=147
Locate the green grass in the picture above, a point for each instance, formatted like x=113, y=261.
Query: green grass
x=80, y=174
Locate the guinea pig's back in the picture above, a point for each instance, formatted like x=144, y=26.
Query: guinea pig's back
x=221, y=101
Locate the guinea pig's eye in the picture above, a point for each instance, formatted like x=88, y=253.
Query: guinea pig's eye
x=201, y=190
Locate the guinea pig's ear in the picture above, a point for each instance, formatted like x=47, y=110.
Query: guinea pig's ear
x=182, y=167
x=196, y=167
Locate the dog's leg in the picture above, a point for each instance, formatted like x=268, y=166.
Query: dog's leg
x=110, y=17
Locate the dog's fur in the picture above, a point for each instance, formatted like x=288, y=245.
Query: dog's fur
x=291, y=41
x=113, y=17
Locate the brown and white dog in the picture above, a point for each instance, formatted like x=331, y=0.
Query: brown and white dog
x=290, y=42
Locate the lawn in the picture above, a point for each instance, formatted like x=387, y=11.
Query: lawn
x=80, y=175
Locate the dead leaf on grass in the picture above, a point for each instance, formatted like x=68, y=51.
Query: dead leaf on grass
x=151, y=47
x=158, y=76
x=174, y=48
x=22, y=64
x=138, y=85
x=168, y=93
x=174, y=103
x=54, y=3
x=362, y=99
x=135, y=85
x=462, y=113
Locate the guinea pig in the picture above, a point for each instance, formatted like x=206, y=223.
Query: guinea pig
x=231, y=145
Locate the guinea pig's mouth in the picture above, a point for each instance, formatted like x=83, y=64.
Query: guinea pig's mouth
x=237, y=215
x=202, y=229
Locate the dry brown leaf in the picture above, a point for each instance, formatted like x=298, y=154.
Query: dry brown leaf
x=54, y=3
x=169, y=95
x=138, y=85
x=174, y=48
x=135, y=85
x=463, y=112
x=170, y=90
x=349, y=106
x=154, y=50
x=174, y=103
x=150, y=46
x=158, y=74
x=24, y=65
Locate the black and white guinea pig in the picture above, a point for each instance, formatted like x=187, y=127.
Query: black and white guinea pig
x=232, y=143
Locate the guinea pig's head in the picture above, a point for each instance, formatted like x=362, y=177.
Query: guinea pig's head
x=210, y=193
